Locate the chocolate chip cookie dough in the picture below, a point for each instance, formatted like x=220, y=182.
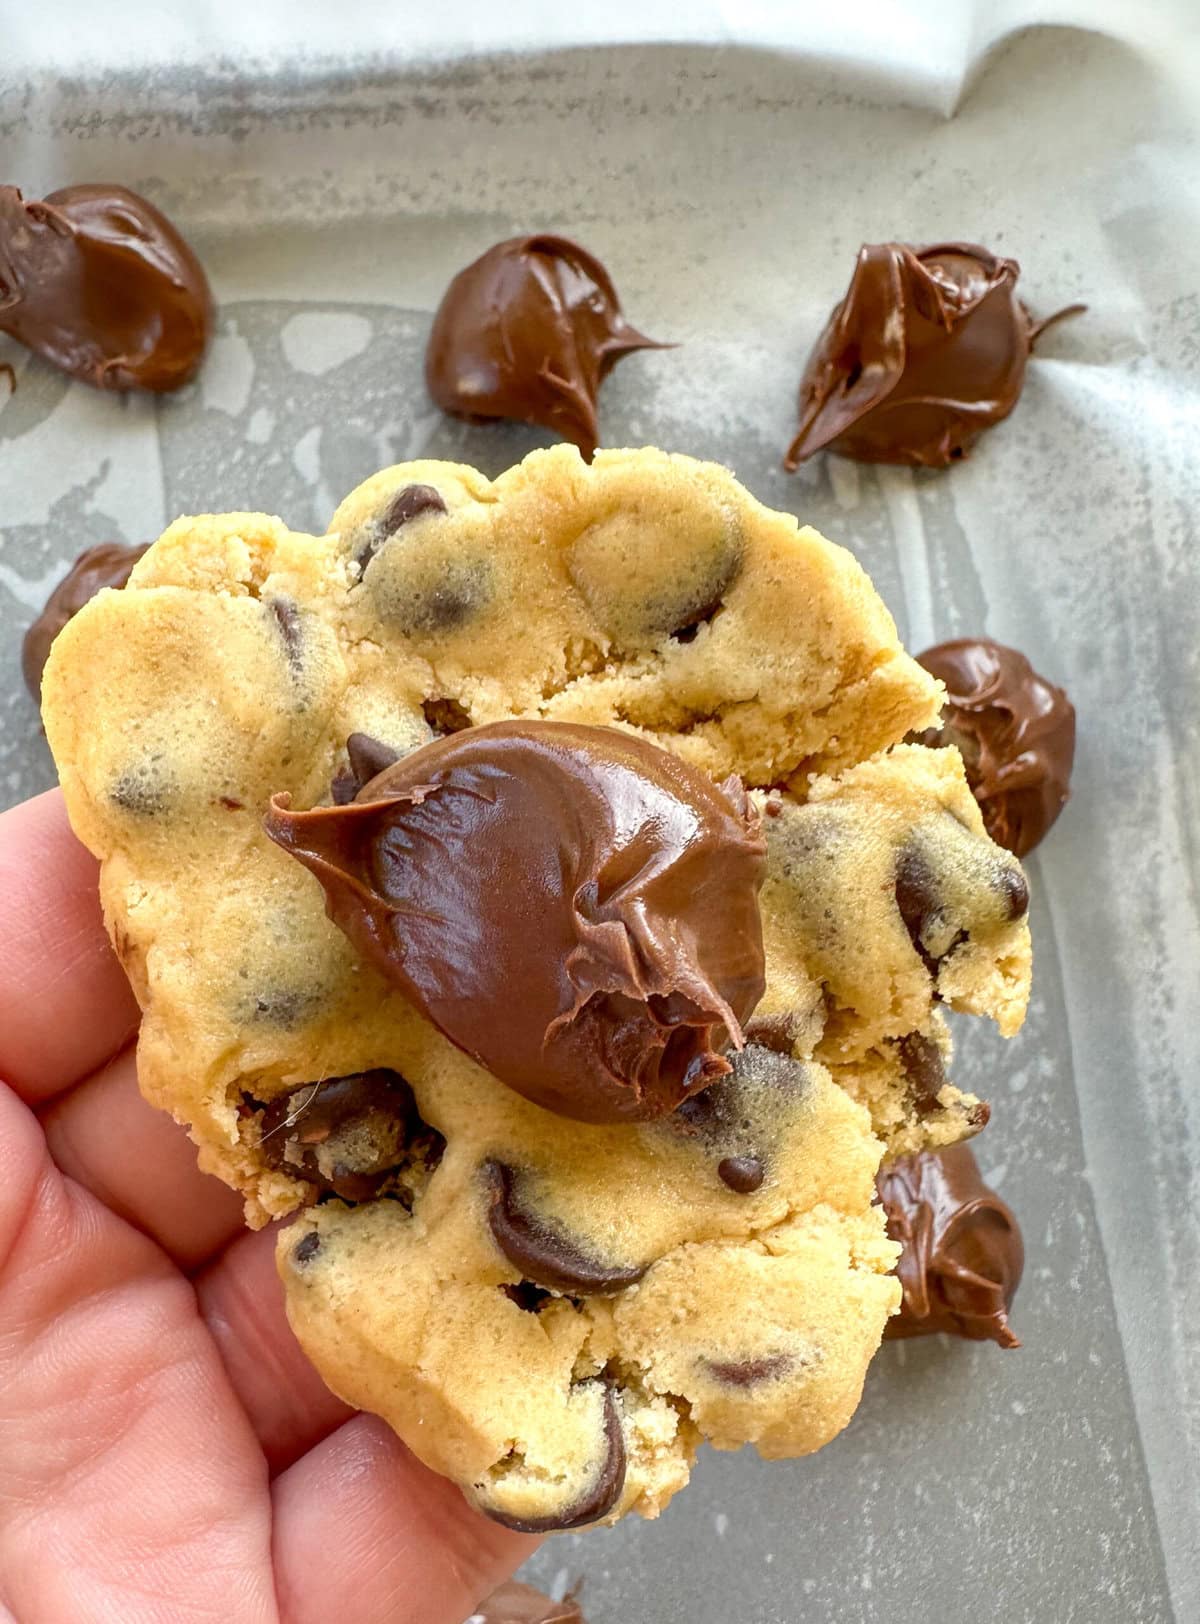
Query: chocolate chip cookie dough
x=553, y=1306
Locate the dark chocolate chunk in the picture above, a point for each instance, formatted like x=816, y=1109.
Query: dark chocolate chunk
x=97, y=281
x=541, y=1253
x=307, y=1248
x=749, y=1372
x=744, y=1174
x=446, y=716
x=348, y=1135
x=600, y=1498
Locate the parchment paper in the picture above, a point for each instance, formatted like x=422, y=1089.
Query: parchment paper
x=727, y=187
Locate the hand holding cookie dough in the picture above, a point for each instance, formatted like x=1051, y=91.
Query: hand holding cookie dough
x=614, y=958
x=169, y=1452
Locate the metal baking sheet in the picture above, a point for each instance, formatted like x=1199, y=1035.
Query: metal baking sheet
x=728, y=190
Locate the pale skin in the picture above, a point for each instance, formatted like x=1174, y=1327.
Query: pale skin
x=167, y=1454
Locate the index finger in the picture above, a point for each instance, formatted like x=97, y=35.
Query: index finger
x=65, y=1004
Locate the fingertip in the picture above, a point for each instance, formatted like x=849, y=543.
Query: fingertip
x=360, y=1515
x=65, y=1003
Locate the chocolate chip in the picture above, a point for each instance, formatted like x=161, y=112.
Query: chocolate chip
x=1013, y=886
x=688, y=628
x=307, y=1248
x=408, y=503
x=777, y=1032
x=749, y=1372
x=604, y=1493
x=287, y=619
x=916, y=898
x=350, y=1135
x=421, y=596
x=921, y=1060
x=369, y=757
x=446, y=715
x=284, y=1007
x=146, y=791
x=741, y=1173
x=542, y=1254
x=528, y=1297
x=343, y=788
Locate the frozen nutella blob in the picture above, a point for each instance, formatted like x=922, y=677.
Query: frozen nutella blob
x=927, y=349
x=530, y=330
x=1015, y=732
x=573, y=907
x=99, y=283
x=108, y=564
x=963, y=1254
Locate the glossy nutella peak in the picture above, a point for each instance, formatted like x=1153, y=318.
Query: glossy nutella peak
x=573, y=907
x=99, y=283
x=962, y=1250
x=109, y=564
x=515, y=1603
x=1016, y=734
x=529, y=331
x=927, y=349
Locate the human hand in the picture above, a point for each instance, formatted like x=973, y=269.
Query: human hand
x=167, y=1453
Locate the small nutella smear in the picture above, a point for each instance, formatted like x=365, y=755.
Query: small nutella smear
x=963, y=1254
x=110, y=564
x=1016, y=734
x=573, y=907
x=927, y=349
x=98, y=282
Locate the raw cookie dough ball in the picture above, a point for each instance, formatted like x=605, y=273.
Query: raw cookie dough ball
x=540, y=1307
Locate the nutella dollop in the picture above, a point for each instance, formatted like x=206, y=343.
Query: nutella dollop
x=515, y=1603
x=963, y=1254
x=108, y=564
x=927, y=349
x=573, y=907
x=1016, y=734
x=97, y=281
x=530, y=330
